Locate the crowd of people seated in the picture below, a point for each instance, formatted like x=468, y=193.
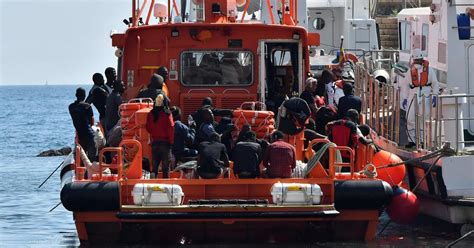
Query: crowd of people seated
x=214, y=146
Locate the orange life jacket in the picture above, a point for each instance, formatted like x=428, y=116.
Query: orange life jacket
x=416, y=82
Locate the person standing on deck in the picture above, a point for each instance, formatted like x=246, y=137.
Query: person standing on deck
x=98, y=96
x=163, y=72
x=160, y=125
x=328, y=79
x=83, y=118
x=308, y=94
x=426, y=87
x=112, y=106
x=155, y=88
x=348, y=101
x=110, y=76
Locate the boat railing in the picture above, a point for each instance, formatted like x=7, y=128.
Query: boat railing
x=142, y=12
x=434, y=126
x=449, y=116
x=373, y=59
x=380, y=103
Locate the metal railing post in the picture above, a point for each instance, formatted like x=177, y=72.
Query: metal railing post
x=416, y=120
x=457, y=123
x=423, y=119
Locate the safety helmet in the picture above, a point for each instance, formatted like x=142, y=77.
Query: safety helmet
x=417, y=54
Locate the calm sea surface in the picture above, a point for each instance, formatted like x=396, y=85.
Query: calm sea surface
x=35, y=118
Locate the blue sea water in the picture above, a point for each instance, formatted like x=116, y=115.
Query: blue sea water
x=33, y=119
x=36, y=118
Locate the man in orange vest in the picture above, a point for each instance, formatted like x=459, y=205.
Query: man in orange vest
x=426, y=87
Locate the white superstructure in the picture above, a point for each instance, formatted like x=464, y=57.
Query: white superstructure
x=445, y=186
x=349, y=18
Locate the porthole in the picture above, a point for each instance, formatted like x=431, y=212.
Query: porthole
x=319, y=23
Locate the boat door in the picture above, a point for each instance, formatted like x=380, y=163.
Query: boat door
x=322, y=21
x=470, y=84
x=281, y=71
x=362, y=32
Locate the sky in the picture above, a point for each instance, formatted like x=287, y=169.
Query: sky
x=59, y=42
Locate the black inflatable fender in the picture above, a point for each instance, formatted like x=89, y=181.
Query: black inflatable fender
x=362, y=194
x=91, y=196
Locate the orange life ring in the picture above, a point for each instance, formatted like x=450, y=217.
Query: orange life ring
x=252, y=113
x=352, y=57
x=134, y=106
x=254, y=122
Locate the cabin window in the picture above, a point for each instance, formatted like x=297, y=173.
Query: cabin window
x=216, y=68
x=404, y=29
x=319, y=23
x=281, y=58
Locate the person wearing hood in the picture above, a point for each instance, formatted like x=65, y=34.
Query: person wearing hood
x=308, y=94
x=163, y=72
x=160, y=125
x=155, y=88
x=112, y=106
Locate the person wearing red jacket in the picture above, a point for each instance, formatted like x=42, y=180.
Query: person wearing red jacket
x=160, y=125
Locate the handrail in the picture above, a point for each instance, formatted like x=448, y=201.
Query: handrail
x=333, y=163
x=140, y=100
x=149, y=12
x=140, y=11
x=117, y=166
x=380, y=103
x=433, y=125
x=79, y=170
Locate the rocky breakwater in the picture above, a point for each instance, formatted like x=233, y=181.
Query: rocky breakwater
x=59, y=152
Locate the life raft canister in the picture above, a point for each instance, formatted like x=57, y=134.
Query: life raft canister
x=415, y=81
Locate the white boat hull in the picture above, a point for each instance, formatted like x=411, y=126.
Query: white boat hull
x=447, y=192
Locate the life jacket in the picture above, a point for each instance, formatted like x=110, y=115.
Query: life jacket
x=417, y=82
x=339, y=84
x=342, y=133
x=319, y=101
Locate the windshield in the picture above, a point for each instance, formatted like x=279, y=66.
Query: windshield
x=216, y=68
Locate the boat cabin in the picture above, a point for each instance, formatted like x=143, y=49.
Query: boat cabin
x=232, y=60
